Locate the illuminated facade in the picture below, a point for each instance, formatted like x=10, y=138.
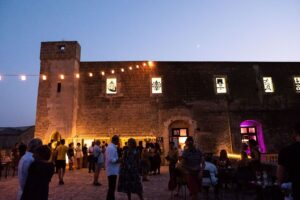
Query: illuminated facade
x=221, y=104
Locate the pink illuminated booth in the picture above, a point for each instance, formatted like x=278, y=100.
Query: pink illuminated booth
x=251, y=129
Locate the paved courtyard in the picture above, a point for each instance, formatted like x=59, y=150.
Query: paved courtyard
x=78, y=186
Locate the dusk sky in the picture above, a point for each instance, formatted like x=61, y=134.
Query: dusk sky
x=159, y=30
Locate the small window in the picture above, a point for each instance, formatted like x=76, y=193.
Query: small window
x=297, y=83
x=156, y=85
x=111, y=86
x=268, y=84
x=62, y=48
x=58, y=87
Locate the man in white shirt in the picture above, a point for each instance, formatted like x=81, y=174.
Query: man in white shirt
x=112, y=166
x=25, y=163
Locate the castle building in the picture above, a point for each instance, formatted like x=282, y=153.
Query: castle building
x=220, y=104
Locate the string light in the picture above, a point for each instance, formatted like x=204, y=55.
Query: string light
x=23, y=77
x=44, y=77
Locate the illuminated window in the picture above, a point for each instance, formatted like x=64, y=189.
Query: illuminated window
x=297, y=83
x=244, y=130
x=220, y=84
x=156, y=85
x=111, y=86
x=268, y=84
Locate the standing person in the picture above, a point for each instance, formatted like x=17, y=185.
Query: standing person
x=192, y=162
x=172, y=158
x=22, y=149
x=91, y=158
x=99, y=162
x=61, y=161
x=39, y=175
x=70, y=154
x=112, y=166
x=212, y=180
x=145, y=162
x=289, y=163
x=255, y=155
x=156, y=158
x=25, y=162
x=223, y=164
x=129, y=179
x=15, y=157
x=85, y=154
x=140, y=148
x=78, y=155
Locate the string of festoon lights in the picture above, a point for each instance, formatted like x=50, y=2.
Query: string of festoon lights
x=44, y=77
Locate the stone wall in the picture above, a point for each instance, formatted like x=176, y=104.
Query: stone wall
x=84, y=110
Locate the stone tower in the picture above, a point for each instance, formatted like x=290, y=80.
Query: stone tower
x=57, y=102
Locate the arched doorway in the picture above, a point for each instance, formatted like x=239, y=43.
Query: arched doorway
x=252, y=129
x=179, y=130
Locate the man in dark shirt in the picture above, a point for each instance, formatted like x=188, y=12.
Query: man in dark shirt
x=289, y=163
x=193, y=163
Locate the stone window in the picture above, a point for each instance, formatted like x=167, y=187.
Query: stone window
x=297, y=83
x=220, y=83
x=62, y=48
x=268, y=84
x=156, y=85
x=111, y=86
x=58, y=87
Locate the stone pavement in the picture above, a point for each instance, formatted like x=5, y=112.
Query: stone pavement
x=78, y=186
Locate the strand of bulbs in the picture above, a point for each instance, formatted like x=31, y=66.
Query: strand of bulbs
x=23, y=77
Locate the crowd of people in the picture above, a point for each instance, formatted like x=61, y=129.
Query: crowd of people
x=126, y=168
x=200, y=171
x=129, y=165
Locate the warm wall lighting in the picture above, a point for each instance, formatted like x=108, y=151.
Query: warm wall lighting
x=144, y=64
x=23, y=78
x=234, y=156
x=150, y=64
x=90, y=74
x=62, y=77
x=44, y=77
x=130, y=68
x=102, y=73
x=112, y=71
x=77, y=75
x=137, y=66
x=122, y=69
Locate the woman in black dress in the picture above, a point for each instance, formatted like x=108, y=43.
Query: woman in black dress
x=40, y=173
x=129, y=179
